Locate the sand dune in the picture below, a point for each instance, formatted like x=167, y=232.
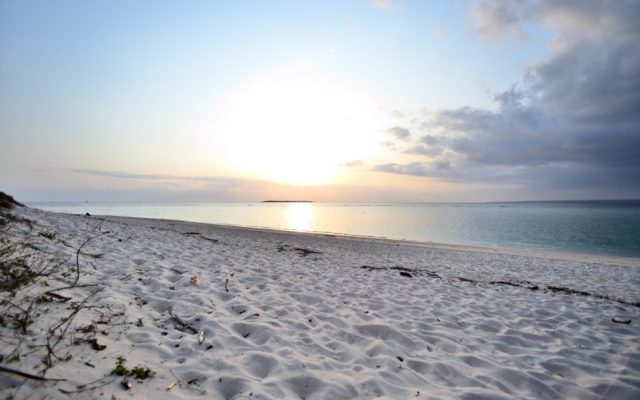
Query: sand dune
x=235, y=313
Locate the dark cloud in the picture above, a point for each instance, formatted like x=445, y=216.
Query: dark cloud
x=596, y=82
x=434, y=169
x=430, y=140
x=399, y=132
x=573, y=121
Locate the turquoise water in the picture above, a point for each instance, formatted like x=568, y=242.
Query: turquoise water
x=597, y=227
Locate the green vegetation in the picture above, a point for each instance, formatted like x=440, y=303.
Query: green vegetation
x=139, y=372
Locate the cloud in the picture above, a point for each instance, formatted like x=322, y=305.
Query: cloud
x=433, y=169
x=399, y=132
x=421, y=149
x=210, y=180
x=574, y=119
x=496, y=19
x=352, y=164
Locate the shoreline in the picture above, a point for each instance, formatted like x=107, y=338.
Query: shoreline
x=230, y=312
x=630, y=261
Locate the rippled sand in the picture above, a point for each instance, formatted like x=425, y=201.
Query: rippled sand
x=276, y=315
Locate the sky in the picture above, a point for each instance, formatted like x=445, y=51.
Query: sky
x=337, y=101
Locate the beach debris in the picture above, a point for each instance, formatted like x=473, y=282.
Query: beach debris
x=201, y=337
x=55, y=295
x=568, y=291
x=367, y=267
x=93, y=342
x=178, y=381
x=400, y=358
x=200, y=235
x=408, y=275
x=182, y=326
x=226, y=285
x=410, y=271
x=405, y=269
x=302, y=252
x=621, y=321
x=126, y=384
x=522, y=284
x=173, y=384
x=194, y=280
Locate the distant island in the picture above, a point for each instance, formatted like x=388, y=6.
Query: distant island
x=287, y=201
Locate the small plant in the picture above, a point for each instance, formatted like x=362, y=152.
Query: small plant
x=120, y=369
x=172, y=287
x=140, y=372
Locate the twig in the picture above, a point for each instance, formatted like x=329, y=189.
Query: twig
x=70, y=318
x=78, y=256
x=28, y=375
x=99, y=227
x=172, y=384
x=183, y=324
x=57, y=296
x=85, y=387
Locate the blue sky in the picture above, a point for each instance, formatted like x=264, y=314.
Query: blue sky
x=221, y=101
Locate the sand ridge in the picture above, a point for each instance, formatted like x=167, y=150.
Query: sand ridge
x=236, y=313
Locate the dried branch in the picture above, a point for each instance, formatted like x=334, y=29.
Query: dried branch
x=28, y=375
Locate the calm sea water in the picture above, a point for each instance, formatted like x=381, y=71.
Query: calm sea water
x=598, y=227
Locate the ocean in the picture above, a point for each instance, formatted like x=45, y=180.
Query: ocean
x=592, y=227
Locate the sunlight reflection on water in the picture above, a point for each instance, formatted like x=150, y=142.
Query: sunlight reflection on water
x=300, y=216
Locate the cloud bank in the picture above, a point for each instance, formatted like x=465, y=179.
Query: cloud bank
x=573, y=120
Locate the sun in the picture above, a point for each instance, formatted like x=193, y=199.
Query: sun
x=295, y=127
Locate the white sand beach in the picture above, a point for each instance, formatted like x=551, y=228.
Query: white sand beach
x=231, y=313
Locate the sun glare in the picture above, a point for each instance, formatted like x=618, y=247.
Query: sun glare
x=295, y=128
x=300, y=216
